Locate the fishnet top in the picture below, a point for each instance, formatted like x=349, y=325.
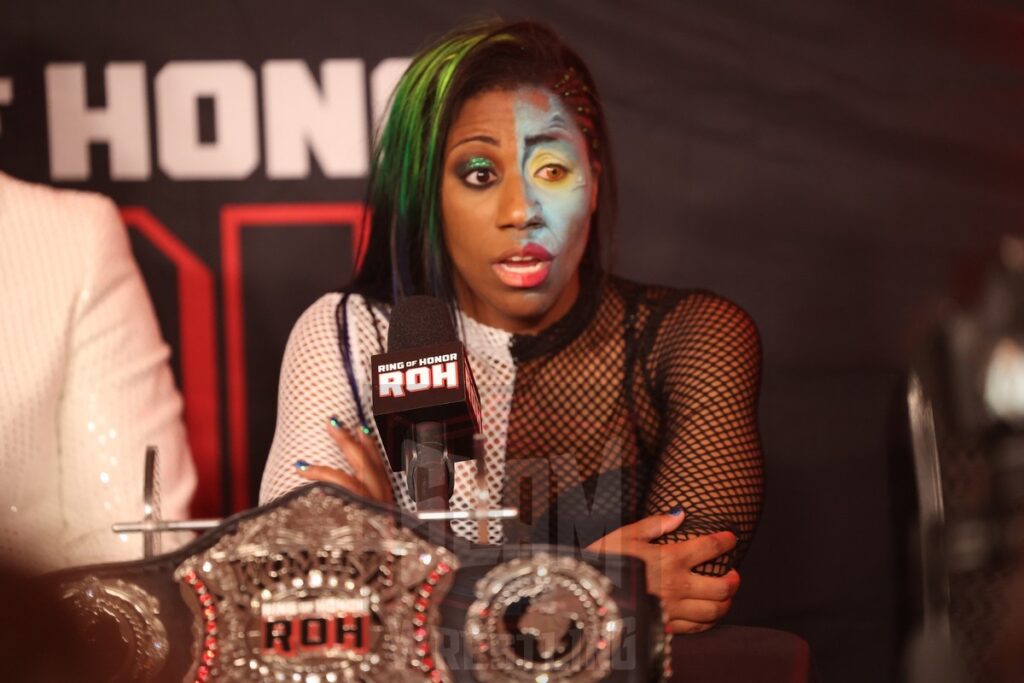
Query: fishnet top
x=640, y=399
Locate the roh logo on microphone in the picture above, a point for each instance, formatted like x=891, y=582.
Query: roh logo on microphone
x=397, y=378
x=426, y=384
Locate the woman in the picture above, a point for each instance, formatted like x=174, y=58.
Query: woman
x=617, y=416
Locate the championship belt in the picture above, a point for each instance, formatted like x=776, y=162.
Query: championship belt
x=322, y=586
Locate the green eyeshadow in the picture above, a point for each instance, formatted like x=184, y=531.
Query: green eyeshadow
x=477, y=164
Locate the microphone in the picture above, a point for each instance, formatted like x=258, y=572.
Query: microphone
x=425, y=403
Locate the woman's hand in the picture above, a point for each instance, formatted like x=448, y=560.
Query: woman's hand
x=369, y=479
x=692, y=602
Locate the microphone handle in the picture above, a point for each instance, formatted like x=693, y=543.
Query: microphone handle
x=430, y=471
x=430, y=483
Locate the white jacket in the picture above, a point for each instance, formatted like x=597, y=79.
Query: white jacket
x=84, y=383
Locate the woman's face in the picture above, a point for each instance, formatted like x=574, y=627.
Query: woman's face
x=517, y=194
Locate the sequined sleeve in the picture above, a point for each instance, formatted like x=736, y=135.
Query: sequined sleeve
x=118, y=397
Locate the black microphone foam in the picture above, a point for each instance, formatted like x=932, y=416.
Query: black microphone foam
x=418, y=321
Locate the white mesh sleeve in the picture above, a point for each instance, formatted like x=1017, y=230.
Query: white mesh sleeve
x=313, y=388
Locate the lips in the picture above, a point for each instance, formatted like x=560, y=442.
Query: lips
x=524, y=267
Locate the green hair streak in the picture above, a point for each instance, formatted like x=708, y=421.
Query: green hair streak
x=407, y=160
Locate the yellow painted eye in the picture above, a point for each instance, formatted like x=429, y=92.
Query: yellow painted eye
x=553, y=172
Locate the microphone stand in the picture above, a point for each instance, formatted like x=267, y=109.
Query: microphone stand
x=429, y=473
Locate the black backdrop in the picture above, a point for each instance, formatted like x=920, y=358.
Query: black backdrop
x=824, y=164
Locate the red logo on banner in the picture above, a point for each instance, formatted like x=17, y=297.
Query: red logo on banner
x=234, y=219
x=200, y=372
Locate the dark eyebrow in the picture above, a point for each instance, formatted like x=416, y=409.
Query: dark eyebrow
x=543, y=137
x=477, y=138
x=556, y=131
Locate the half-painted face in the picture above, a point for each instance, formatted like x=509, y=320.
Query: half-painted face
x=517, y=194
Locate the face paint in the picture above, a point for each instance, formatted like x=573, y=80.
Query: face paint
x=553, y=166
x=517, y=195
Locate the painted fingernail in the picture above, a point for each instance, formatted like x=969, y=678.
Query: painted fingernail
x=301, y=465
x=335, y=422
x=365, y=429
x=676, y=511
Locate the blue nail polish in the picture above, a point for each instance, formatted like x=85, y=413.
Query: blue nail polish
x=365, y=429
x=335, y=422
x=676, y=511
x=301, y=465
